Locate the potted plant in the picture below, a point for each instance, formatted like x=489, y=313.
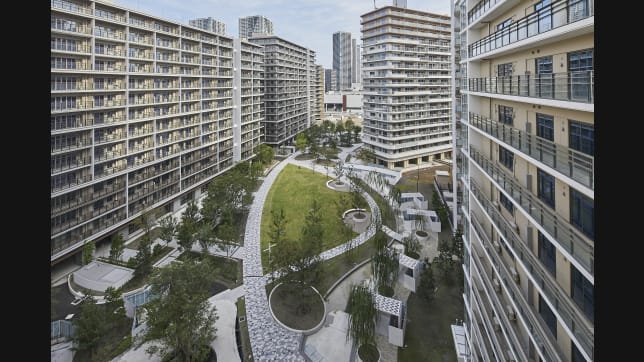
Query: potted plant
x=363, y=314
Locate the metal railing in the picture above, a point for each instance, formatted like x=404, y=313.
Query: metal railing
x=552, y=16
x=62, y=329
x=561, y=230
x=480, y=9
x=567, y=310
x=535, y=326
x=574, y=164
x=570, y=86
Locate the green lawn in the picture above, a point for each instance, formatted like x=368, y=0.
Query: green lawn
x=294, y=190
x=428, y=336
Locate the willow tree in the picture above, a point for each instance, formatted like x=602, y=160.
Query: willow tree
x=363, y=314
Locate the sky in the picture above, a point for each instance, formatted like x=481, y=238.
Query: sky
x=309, y=23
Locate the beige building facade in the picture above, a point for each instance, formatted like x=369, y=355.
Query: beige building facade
x=524, y=151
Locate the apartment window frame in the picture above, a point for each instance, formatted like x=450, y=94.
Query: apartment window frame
x=547, y=253
x=548, y=316
x=546, y=188
x=506, y=158
x=545, y=126
x=582, y=293
x=506, y=202
x=580, y=69
x=581, y=137
x=544, y=76
x=582, y=213
x=506, y=115
x=504, y=24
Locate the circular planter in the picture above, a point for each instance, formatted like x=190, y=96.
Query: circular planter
x=413, y=255
x=306, y=332
x=386, y=291
x=359, y=216
x=421, y=235
x=368, y=353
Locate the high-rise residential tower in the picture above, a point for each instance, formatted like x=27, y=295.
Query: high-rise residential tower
x=142, y=117
x=255, y=25
x=210, y=24
x=356, y=76
x=289, y=85
x=342, y=59
x=406, y=79
x=524, y=125
x=319, y=93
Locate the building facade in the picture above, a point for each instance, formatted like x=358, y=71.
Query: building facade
x=210, y=24
x=319, y=93
x=255, y=25
x=342, y=59
x=142, y=116
x=525, y=177
x=406, y=79
x=356, y=76
x=289, y=85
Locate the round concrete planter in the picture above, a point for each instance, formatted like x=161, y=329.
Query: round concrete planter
x=421, y=235
x=360, y=359
x=304, y=332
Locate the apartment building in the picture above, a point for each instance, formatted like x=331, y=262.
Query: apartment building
x=289, y=89
x=210, y=24
x=525, y=176
x=342, y=59
x=255, y=25
x=356, y=71
x=319, y=93
x=142, y=116
x=406, y=80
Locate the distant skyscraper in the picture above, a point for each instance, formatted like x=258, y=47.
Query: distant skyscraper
x=210, y=24
x=327, y=79
x=400, y=3
x=356, y=77
x=342, y=59
x=255, y=25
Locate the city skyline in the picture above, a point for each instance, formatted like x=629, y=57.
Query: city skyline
x=287, y=17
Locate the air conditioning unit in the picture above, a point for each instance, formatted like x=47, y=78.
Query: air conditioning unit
x=497, y=246
x=497, y=285
x=515, y=275
x=496, y=324
x=511, y=314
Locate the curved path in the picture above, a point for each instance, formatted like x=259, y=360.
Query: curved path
x=270, y=341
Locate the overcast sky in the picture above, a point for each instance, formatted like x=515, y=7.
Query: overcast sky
x=309, y=23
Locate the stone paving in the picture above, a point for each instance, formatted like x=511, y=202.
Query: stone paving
x=269, y=340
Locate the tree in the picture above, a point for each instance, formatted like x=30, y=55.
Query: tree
x=264, y=154
x=144, y=256
x=426, y=287
x=205, y=237
x=356, y=132
x=185, y=236
x=446, y=263
x=357, y=201
x=168, y=229
x=181, y=317
x=412, y=247
x=190, y=215
x=301, y=142
x=339, y=169
x=89, y=327
x=276, y=233
x=88, y=252
x=117, y=246
x=367, y=155
x=362, y=311
x=384, y=266
x=457, y=244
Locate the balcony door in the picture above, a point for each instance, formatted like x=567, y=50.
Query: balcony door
x=580, y=73
x=544, y=77
x=544, y=15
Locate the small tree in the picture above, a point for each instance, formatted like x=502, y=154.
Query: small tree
x=446, y=263
x=457, y=244
x=412, y=247
x=168, y=229
x=426, y=288
x=181, y=317
x=276, y=233
x=144, y=255
x=356, y=133
x=88, y=252
x=362, y=311
x=205, y=237
x=185, y=236
x=117, y=247
x=384, y=266
x=264, y=154
x=89, y=327
x=301, y=142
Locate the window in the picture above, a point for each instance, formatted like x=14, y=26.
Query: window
x=506, y=115
x=548, y=316
x=580, y=70
x=583, y=292
x=504, y=70
x=545, y=127
x=576, y=355
x=582, y=213
x=546, y=188
x=544, y=9
x=547, y=253
x=506, y=158
x=506, y=202
x=544, y=77
x=504, y=24
x=581, y=137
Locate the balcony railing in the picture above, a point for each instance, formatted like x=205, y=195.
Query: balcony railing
x=70, y=6
x=565, y=234
x=576, y=165
x=570, y=86
x=536, y=326
x=552, y=16
x=481, y=8
x=567, y=310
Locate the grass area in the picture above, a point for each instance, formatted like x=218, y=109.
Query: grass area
x=387, y=213
x=305, y=156
x=294, y=190
x=228, y=271
x=335, y=268
x=300, y=309
x=243, y=331
x=134, y=244
x=428, y=336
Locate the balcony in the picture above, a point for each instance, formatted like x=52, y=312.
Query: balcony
x=481, y=8
x=571, y=86
x=566, y=235
x=567, y=311
x=501, y=276
x=70, y=6
x=571, y=163
x=550, y=17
